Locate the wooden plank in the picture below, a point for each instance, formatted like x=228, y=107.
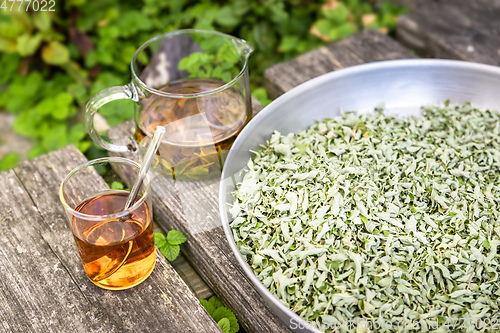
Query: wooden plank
x=412, y=3
x=192, y=207
x=188, y=274
x=34, y=285
x=363, y=47
x=454, y=29
x=161, y=303
x=191, y=277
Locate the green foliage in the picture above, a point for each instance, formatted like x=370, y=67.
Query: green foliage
x=223, y=316
x=116, y=185
x=224, y=325
x=53, y=62
x=261, y=95
x=175, y=237
x=9, y=161
x=169, y=246
x=219, y=59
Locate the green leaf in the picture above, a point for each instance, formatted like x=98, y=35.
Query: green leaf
x=13, y=26
x=29, y=123
x=75, y=3
x=131, y=22
x=226, y=17
x=218, y=312
x=208, y=306
x=9, y=63
x=46, y=106
x=200, y=170
x=63, y=106
x=110, y=31
x=193, y=60
x=7, y=45
x=226, y=77
x=55, y=53
x=105, y=80
x=77, y=133
x=261, y=95
x=159, y=239
x=345, y=30
x=55, y=137
x=9, y=161
x=84, y=146
x=224, y=325
x=288, y=43
x=116, y=186
x=170, y=251
x=36, y=151
x=118, y=111
x=224, y=312
x=42, y=21
x=265, y=36
x=175, y=237
x=91, y=59
x=78, y=92
x=338, y=15
x=215, y=302
x=27, y=44
x=60, y=107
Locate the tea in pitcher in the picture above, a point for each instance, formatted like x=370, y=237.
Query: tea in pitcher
x=196, y=84
x=117, y=253
x=200, y=130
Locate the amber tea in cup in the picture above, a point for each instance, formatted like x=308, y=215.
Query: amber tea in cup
x=196, y=84
x=116, y=245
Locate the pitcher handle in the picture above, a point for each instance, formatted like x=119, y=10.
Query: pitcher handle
x=103, y=97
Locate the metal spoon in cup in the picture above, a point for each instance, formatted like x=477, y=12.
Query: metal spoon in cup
x=143, y=170
x=146, y=164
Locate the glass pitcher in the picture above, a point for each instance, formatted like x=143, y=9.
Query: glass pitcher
x=196, y=84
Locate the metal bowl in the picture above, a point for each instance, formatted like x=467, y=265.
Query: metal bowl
x=402, y=85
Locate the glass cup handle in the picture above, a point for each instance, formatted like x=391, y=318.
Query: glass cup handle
x=103, y=97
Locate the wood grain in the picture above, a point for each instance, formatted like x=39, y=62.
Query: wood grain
x=188, y=274
x=192, y=207
x=191, y=277
x=412, y=3
x=454, y=29
x=363, y=47
x=162, y=303
x=37, y=293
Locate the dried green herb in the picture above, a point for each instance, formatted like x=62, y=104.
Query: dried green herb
x=378, y=217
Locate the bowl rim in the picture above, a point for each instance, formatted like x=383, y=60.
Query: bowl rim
x=277, y=103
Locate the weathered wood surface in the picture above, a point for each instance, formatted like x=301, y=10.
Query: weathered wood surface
x=191, y=277
x=454, y=29
x=43, y=285
x=412, y=3
x=187, y=272
x=192, y=207
x=34, y=284
x=363, y=47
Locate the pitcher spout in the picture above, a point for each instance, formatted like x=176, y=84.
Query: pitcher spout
x=243, y=48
